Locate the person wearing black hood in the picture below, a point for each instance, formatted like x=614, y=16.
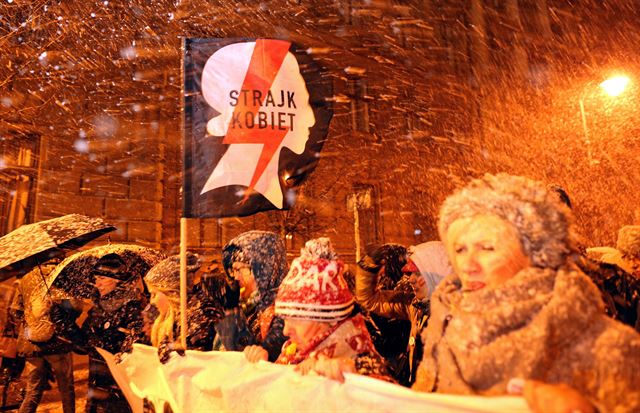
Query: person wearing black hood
x=426, y=265
x=255, y=263
x=114, y=324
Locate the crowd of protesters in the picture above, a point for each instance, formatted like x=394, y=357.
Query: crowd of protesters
x=505, y=302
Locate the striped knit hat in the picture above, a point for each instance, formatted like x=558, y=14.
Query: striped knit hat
x=314, y=289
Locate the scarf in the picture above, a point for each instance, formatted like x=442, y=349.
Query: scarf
x=540, y=324
x=348, y=338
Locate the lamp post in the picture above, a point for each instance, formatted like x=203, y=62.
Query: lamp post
x=585, y=129
x=613, y=86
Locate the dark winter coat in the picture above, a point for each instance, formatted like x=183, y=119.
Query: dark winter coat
x=116, y=321
x=395, y=304
x=540, y=324
x=253, y=322
x=114, y=324
x=619, y=289
x=203, y=312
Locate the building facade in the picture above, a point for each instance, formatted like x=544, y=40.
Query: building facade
x=426, y=93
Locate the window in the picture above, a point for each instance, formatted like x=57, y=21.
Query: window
x=18, y=172
x=357, y=89
x=366, y=198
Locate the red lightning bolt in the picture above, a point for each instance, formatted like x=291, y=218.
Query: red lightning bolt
x=266, y=60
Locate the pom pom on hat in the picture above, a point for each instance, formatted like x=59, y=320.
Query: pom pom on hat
x=314, y=289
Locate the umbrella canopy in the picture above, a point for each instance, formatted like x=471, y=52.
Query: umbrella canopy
x=29, y=245
x=75, y=275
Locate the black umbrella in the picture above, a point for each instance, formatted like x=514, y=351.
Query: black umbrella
x=73, y=278
x=30, y=245
x=75, y=275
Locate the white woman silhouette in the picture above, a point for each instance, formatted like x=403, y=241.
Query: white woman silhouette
x=263, y=105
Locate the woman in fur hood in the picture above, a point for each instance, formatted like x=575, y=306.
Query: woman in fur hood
x=516, y=317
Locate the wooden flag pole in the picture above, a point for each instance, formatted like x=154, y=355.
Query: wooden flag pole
x=356, y=227
x=186, y=148
x=183, y=282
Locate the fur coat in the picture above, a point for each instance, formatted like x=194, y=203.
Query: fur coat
x=541, y=324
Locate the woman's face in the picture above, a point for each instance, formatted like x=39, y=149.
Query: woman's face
x=417, y=281
x=485, y=251
x=105, y=284
x=301, y=332
x=160, y=301
x=242, y=272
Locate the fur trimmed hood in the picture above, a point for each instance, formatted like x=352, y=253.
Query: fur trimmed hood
x=542, y=222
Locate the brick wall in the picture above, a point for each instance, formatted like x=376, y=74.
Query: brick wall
x=119, y=178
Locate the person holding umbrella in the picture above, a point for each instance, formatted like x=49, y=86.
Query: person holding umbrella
x=47, y=332
x=111, y=276
x=46, y=315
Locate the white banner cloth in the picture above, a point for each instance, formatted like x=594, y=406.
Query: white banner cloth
x=227, y=382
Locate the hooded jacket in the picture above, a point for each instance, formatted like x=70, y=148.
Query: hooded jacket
x=541, y=324
x=431, y=260
x=254, y=322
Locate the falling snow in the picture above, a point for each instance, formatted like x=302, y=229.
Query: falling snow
x=425, y=96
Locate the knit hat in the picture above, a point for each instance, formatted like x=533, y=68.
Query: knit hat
x=314, y=289
x=111, y=266
x=542, y=222
x=626, y=255
x=165, y=275
x=431, y=260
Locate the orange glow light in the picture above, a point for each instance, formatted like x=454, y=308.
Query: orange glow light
x=614, y=86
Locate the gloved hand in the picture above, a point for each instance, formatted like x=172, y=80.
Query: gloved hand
x=166, y=348
x=373, y=259
x=368, y=264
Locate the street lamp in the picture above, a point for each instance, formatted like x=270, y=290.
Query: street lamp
x=613, y=86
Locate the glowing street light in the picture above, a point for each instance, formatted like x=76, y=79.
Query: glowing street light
x=614, y=86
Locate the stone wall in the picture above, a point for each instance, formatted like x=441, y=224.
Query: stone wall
x=419, y=103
